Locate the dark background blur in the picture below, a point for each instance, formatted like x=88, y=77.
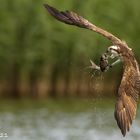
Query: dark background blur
x=41, y=57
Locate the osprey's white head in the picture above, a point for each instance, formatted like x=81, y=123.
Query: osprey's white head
x=113, y=51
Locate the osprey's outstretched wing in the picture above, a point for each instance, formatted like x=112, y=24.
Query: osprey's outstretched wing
x=128, y=93
x=72, y=18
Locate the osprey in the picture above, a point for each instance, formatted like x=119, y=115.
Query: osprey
x=128, y=91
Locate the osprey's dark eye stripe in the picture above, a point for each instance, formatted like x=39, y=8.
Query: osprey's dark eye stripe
x=114, y=50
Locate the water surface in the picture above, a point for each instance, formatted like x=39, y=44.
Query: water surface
x=62, y=120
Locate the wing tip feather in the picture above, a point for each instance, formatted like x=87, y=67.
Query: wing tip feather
x=50, y=9
x=125, y=112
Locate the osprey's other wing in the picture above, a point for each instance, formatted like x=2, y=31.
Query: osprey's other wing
x=128, y=93
x=72, y=18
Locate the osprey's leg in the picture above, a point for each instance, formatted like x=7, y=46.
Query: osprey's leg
x=96, y=67
x=111, y=65
x=116, y=62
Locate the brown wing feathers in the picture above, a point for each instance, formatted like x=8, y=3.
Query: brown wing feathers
x=126, y=106
x=68, y=17
x=72, y=18
x=125, y=112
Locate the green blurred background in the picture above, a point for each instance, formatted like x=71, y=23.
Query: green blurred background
x=41, y=57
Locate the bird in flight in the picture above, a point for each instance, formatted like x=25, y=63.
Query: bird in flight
x=128, y=91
